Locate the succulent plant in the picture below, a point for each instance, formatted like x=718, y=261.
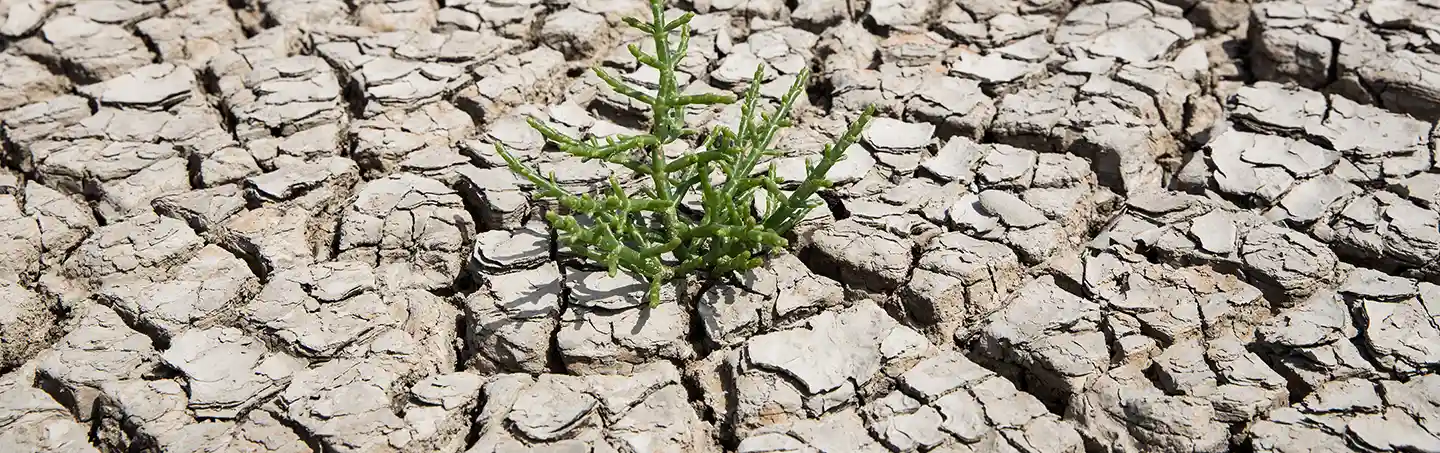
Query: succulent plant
x=647, y=233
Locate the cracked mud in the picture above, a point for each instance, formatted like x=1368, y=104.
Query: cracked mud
x=280, y=226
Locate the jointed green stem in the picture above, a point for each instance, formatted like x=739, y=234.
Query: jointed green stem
x=644, y=233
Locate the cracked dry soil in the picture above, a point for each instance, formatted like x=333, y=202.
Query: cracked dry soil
x=278, y=226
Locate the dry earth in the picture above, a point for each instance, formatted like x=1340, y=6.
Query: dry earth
x=278, y=226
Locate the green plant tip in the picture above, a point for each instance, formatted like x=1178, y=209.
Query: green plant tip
x=644, y=232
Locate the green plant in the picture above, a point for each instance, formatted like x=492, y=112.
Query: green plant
x=636, y=232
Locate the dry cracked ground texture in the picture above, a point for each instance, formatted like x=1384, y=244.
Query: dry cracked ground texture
x=278, y=226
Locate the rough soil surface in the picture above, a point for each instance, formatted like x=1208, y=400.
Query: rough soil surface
x=279, y=226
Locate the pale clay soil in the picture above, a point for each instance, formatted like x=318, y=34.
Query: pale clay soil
x=279, y=226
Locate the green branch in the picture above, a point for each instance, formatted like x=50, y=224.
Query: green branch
x=643, y=233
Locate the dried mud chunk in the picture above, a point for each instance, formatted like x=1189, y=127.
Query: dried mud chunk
x=320, y=309
x=1124, y=410
x=895, y=218
x=1415, y=398
x=511, y=18
x=1050, y=335
x=22, y=18
x=1382, y=228
x=1118, y=127
x=996, y=24
x=1411, y=233
x=346, y=405
x=1397, y=328
x=88, y=50
x=842, y=430
x=19, y=243
x=227, y=71
x=1394, y=145
x=1286, y=265
x=817, y=15
x=81, y=165
x=498, y=193
x=204, y=209
x=575, y=33
x=439, y=411
x=1248, y=388
x=441, y=164
x=350, y=48
x=418, y=343
x=1285, y=260
x=285, y=96
x=514, y=134
x=202, y=292
x=389, y=15
x=608, y=326
x=1173, y=304
x=775, y=295
x=553, y=415
x=299, y=205
x=1011, y=210
x=383, y=142
x=227, y=372
x=1314, y=199
x=273, y=239
x=509, y=324
x=643, y=409
x=956, y=160
x=1360, y=417
x=31, y=420
x=25, y=322
x=955, y=106
x=146, y=246
x=1182, y=370
x=502, y=251
x=995, y=71
x=386, y=83
x=64, y=222
x=947, y=402
x=1263, y=168
x=1409, y=83
x=193, y=33
x=1125, y=31
x=408, y=219
x=102, y=349
x=305, y=12
x=872, y=258
x=31, y=123
x=10, y=182
x=510, y=80
x=310, y=145
x=957, y=281
x=783, y=51
x=897, y=137
x=767, y=9
x=319, y=185
x=133, y=195
x=799, y=373
x=1311, y=343
x=1054, y=201
x=136, y=413
x=907, y=15
x=124, y=176
x=144, y=115
x=1321, y=45
x=1392, y=139
x=26, y=82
